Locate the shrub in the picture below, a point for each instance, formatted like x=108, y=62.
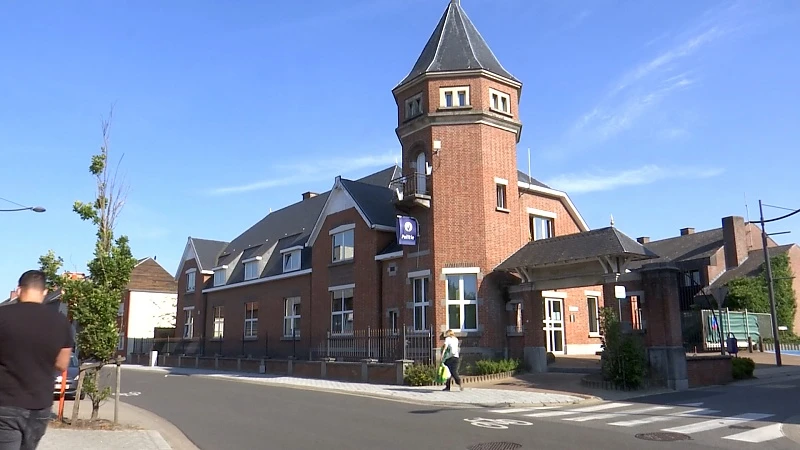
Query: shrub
x=420, y=375
x=743, y=368
x=551, y=358
x=624, y=360
x=489, y=367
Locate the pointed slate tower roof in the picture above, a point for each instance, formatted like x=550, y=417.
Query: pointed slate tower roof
x=456, y=45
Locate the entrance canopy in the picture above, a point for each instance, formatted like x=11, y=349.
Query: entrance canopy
x=589, y=258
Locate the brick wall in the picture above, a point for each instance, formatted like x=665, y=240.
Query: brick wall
x=794, y=264
x=709, y=370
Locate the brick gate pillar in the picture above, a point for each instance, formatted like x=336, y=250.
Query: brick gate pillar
x=535, y=351
x=664, y=339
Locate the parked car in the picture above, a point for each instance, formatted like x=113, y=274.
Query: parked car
x=72, y=381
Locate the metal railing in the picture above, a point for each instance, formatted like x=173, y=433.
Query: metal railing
x=384, y=345
x=413, y=184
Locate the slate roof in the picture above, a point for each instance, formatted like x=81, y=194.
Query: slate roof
x=207, y=252
x=456, y=45
x=751, y=267
x=574, y=247
x=377, y=202
x=689, y=247
x=523, y=177
x=292, y=226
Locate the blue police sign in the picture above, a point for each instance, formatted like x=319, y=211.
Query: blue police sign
x=407, y=230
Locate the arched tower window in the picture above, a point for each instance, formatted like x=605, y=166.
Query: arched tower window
x=420, y=170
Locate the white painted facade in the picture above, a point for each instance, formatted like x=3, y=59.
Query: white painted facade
x=149, y=310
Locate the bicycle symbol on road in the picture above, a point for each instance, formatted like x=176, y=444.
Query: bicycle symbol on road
x=496, y=424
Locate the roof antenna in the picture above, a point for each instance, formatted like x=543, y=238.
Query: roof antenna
x=612, y=220
x=529, y=166
x=747, y=214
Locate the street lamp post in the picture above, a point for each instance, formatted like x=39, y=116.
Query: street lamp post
x=37, y=209
x=770, y=289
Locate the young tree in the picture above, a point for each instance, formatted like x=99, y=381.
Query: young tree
x=94, y=301
x=752, y=293
x=50, y=265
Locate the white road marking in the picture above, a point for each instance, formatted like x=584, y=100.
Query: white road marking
x=615, y=415
x=713, y=424
x=763, y=434
x=654, y=419
x=594, y=408
x=519, y=410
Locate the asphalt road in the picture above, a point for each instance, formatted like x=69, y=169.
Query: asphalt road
x=224, y=414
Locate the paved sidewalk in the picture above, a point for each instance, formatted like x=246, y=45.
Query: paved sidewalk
x=102, y=440
x=482, y=397
x=148, y=431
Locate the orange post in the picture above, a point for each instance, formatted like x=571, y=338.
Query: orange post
x=61, y=397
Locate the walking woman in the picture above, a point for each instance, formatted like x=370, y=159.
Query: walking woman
x=450, y=354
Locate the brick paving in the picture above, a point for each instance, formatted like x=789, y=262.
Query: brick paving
x=102, y=440
x=422, y=395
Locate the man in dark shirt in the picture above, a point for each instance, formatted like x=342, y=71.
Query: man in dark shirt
x=35, y=343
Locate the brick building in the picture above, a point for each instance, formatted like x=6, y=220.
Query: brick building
x=330, y=263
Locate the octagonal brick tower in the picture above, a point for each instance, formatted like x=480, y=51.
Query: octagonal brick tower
x=458, y=125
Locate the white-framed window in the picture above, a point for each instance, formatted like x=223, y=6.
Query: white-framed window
x=219, y=322
x=454, y=97
x=343, y=249
x=501, y=196
x=421, y=303
x=220, y=275
x=342, y=311
x=593, y=304
x=251, y=320
x=191, y=281
x=414, y=106
x=291, y=261
x=499, y=101
x=540, y=227
x=121, y=341
x=188, y=323
x=394, y=321
x=251, y=270
x=462, y=302
x=291, y=317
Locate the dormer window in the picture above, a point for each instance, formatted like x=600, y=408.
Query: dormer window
x=499, y=101
x=220, y=275
x=454, y=97
x=414, y=106
x=251, y=267
x=291, y=259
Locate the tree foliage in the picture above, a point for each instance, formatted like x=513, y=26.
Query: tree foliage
x=752, y=294
x=50, y=265
x=94, y=301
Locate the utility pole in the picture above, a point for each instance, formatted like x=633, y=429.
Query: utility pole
x=772, y=307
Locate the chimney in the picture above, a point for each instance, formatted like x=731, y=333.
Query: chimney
x=643, y=240
x=74, y=275
x=685, y=231
x=308, y=195
x=734, y=235
x=13, y=294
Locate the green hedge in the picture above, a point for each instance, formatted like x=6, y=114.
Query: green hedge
x=743, y=368
x=489, y=367
x=420, y=375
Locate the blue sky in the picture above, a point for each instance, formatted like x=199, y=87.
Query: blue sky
x=664, y=114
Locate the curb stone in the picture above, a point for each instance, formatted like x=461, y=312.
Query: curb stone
x=250, y=378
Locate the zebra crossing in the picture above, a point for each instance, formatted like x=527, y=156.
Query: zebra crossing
x=694, y=419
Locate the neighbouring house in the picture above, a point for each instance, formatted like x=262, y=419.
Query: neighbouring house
x=714, y=257
x=326, y=275
x=149, y=302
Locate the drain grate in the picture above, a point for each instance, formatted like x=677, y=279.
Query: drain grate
x=495, y=446
x=663, y=437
